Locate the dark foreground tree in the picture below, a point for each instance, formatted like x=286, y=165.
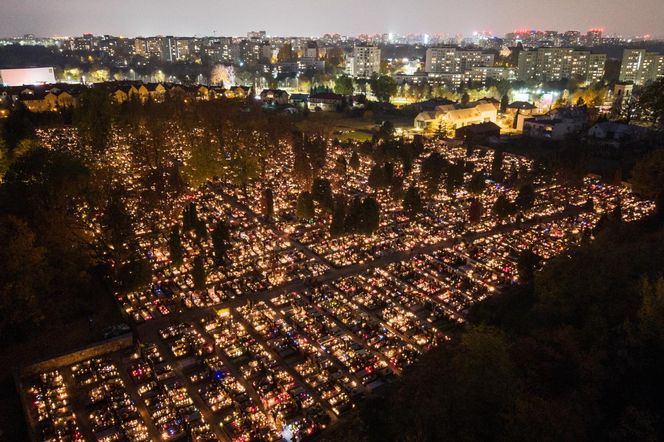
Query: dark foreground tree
x=175, y=246
x=94, y=118
x=198, y=273
x=305, y=209
x=412, y=202
x=221, y=241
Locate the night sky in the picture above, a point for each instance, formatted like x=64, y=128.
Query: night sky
x=317, y=17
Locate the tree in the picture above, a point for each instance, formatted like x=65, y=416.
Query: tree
x=46, y=188
x=454, y=177
x=25, y=276
x=305, y=209
x=52, y=191
x=502, y=207
x=189, y=217
x=482, y=351
x=376, y=179
x=465, y=98
x=651, y=312
x=118, y=224
x=648, y=178
x=5, y=158
x=267, y=203
x=135, y=273
x=94, y=118
x=412, y=202
x=370, y=216
x=341, y=166
x=338, y=217
x=244, y=166
x=302, y=170
x=321, y=192
x=433, y=168
x=205, y=161
x=343, y=85
x=354, y=162
x=396, y=190
x=286, y=53
x=385, y=132
x=198, y=273
x=477, y=183
x=18, y=126
x=475, y=211
x=221, y=241
x=200, y=228
x=651, y=102
x=504, y=102
x=526, y=197
x=316, y=150
x=526, y=264
x=353, y=217
x=383, y=87
x=497, y=166
x=443, y=129
x=222, y=75
x=388, y=173
x=175, y=246
x=417, y=146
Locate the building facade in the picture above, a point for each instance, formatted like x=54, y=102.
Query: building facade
x=553, y=64
x=640, y=67
x=452, y=60
x=364, y=62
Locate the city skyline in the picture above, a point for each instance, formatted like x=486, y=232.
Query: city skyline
x=318, y=18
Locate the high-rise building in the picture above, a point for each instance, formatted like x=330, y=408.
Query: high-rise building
x=154, y=47
x=87, y=42
x=594, y=37
x=183, y=48
x=256, y=35
x=221, y=50
x=311, y=50
x=596, y=67
x=169, y=49
x=451, y=66
x=452, y=60
x=255, y=51
x=364, y=62
x=480, y=74
x=553, y=64
x=639, y=66
x=571, y=39
x=552, y=39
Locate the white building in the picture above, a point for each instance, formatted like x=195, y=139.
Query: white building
x=556, y=125
x=28, y=76
x=553, y=64
x=640, y=66
x=364, y=62
x=452, y=60
x=480, y=74
x=455, y=116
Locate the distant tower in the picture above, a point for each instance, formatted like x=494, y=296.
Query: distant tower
x=594, y=37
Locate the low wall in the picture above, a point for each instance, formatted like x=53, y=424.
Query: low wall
x=98, y=349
